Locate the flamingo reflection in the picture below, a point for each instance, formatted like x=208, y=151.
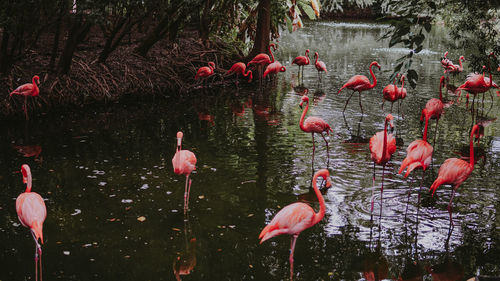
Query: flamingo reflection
x=29, y=150
x=185, y=261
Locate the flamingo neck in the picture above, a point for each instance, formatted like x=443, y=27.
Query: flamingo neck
x=322, y=208
x=35, y=86
x=374, y=78
x=384, y=147
x=491, y=80
x=424, y=138
x=316, y=60
x=271, y=52
x=301, y=124
x=471, y=145
x=402, y=84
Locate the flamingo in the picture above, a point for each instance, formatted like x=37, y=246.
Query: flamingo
x=274, y=68
x=302, y=61
x=320, y=65
x=184, y=162
x=453, y=68
x=445, y=62
x=477, y=83
x=418, y=155
x=313, y=125
x=296, y=217
x=434, y=107
x=455, y=171
x=402, y=92
x=382, y=146
x=263, y=59
x=359, y=83
x=28, y=89
x=205, y=71
x=390, y=93
x=32, y=212
x=239, y=68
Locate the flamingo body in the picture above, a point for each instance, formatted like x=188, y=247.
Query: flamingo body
x=302, y=60
x=274, y=68
x=263, y=59
x=376, y=147
x=239, y=68
x=453, y=68
x=359, y=83
x=320, y=65
x=32, y=212
x=418, y=155
x=184, y=162
x=205, y=71
x=454, y=171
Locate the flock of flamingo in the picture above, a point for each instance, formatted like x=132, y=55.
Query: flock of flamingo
x=296, y=217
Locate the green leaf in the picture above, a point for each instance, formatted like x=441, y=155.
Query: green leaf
x=427, y=26
x=308, y=10
x=289, y=24
x=418, y=49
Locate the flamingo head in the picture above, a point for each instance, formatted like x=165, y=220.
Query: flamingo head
x=179, y=139
x=251, y=76
x=316, y=55
x=462, y=58
x=26, y=171
x=445, y=54
x=492, y=54
x=325, y=174
x=389, y=119
x=476, y=129
x=282, y=69
x=374, y=63
x=305, y=99
x=211, y=64
x=307, y=53
x=402, y=78
x=274, y=46
x=36, y=79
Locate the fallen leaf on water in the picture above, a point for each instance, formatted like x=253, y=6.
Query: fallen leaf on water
x=250, y=215
x=219, y=250
x=201, y=196
x=251, y=266
x=141, y=218
x=232, y=226
x=113, y=219
x=66, y=253
x=175, y=229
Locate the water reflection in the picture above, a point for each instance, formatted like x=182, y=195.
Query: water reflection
x=185, y=261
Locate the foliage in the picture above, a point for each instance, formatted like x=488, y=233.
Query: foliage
x=473, y=25
x=336, y=5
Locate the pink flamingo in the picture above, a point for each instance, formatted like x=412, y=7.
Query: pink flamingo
x=239, y=68
x=313, y=125
x=390, y=93
x=274, y=68
x=477, y=83
x=359, y=83
x=263, y=59
x=296, y=217
x=455, y=171
x=418, y=154
x=302, y=61
x=27, y=90
x=382, y=146
x=184, y=162
x=205, y=71
x=401, y=92
x=434, y=107
x=445, y=62
x=453, y=68
x=320, y=65
x=32, y=212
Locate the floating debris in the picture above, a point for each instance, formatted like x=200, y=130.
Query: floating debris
x=141, y=218
x=77, y=212
x=66, y=253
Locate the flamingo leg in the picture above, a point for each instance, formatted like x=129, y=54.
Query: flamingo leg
x=292, y=249
x=450, y=207
x=373, y=187
x=312, y=161
x=383, y=102
x=26, y=107
x=408, y=200
x=360, y=102
x=348, y=101
x=38, y=256
x=391, y=106
x=381, y=192
x=186, y=194
x=327, y=151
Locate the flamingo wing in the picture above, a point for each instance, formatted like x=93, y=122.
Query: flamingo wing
x=25, y=90
x=390, y=93
x=377, y=145
x=203, y=72
x=357, y=83
x=184, y=162
x=31, y=212
x=434, y=108
x=260, y=59
x=238, y=67
x=321, y=66
x=292, y=219
x=316, y=125
x=454, y=171
x=418, y=154
x=300, y=60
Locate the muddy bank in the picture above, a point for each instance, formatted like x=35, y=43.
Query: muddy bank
x=169, y=69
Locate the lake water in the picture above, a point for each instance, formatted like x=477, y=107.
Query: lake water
x=115, y=207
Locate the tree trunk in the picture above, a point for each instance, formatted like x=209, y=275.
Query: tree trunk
x=153, y=37
x=205, y=22
x=263, y=32
x=77, y=33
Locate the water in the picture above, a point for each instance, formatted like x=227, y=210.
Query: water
x=115, y=206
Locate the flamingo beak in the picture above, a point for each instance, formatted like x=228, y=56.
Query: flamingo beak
x=300, y=104
x=179, y=141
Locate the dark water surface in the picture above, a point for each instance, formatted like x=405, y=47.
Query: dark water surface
x=115, y=209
